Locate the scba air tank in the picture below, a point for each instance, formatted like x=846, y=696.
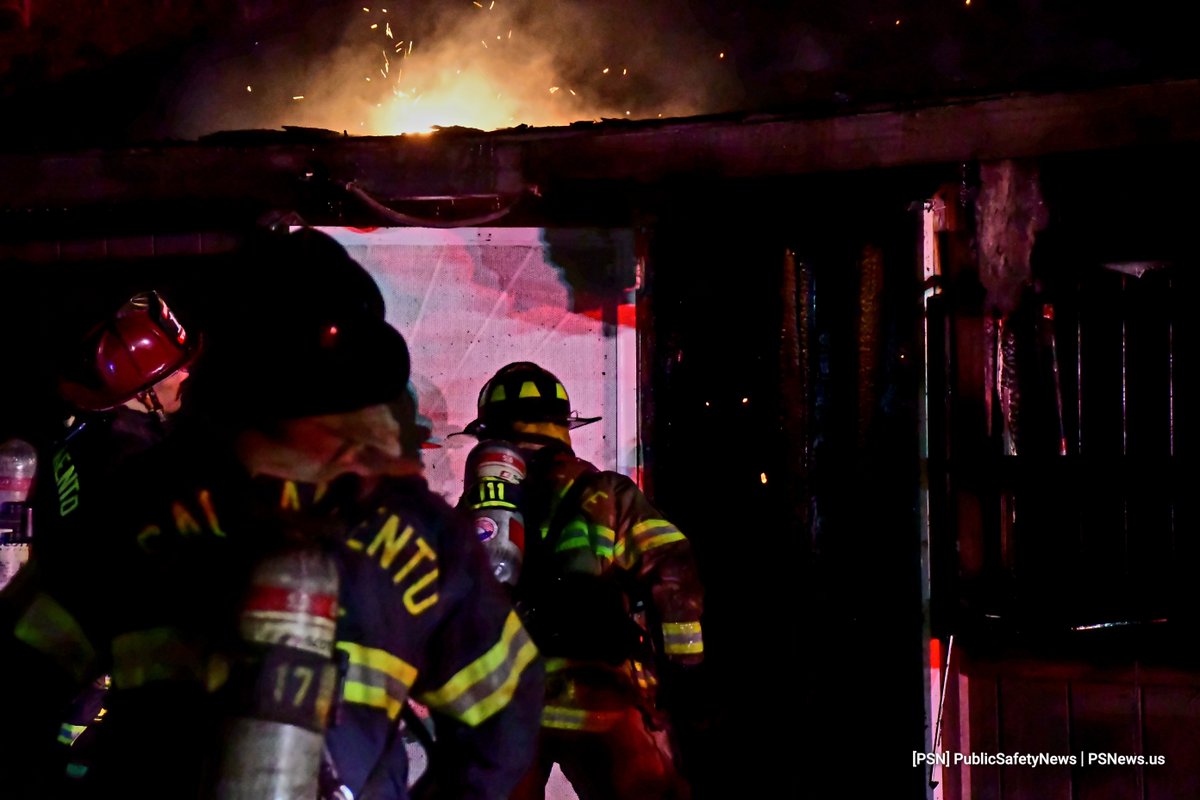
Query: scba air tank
x=494, y=472
x=289, y=680
x=18, y=463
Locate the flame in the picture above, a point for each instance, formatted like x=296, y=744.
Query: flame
x=468, y=100
x=488, y=65
x=484, y=86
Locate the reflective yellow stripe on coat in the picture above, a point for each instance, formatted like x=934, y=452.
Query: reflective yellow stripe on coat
x=376, y=678
x=682, y=638
x=50, y=629
x=651, y=533
x=68, y=733
x=161, y=654
x=566, y=718
x=486, y=685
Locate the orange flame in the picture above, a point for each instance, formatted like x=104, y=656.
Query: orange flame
x=490, y=67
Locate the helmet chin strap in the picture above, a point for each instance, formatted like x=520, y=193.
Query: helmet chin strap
x=149, y=399
x=539, y=434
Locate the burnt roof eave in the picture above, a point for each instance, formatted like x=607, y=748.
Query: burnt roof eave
x=271, y=166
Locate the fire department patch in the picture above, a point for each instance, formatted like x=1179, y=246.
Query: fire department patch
x=485, y=528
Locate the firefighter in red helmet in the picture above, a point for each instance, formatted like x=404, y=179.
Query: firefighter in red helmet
x=136, y=359
x=233, y=673
x=123, y=383
x=608, y=588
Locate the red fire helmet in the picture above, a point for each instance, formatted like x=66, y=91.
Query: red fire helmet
x=124, y=356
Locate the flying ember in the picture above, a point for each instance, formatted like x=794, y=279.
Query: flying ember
x=487, y=65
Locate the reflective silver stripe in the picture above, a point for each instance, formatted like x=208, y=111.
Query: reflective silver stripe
x=651, y=533
x=486, y=685
x=376, y=678
x=578, y=719
x=682, y=638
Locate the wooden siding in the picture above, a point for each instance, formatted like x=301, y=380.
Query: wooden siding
x=1064, y=708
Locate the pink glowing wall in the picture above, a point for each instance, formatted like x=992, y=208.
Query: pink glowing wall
x=470, y=300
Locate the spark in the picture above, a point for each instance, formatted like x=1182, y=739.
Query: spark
x=406, y=98
x=762, y=476
x=745, y=400
x=722, y=55
x=897, y=22
x=366, y=9
x=248, y=89
x=297, y=97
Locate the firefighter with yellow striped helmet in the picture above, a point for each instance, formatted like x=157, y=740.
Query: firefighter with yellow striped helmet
x=525, y=401
x=609, y=590
x=277, y=580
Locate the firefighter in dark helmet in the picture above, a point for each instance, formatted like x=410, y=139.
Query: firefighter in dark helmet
x=236, y=668
x=598, y=560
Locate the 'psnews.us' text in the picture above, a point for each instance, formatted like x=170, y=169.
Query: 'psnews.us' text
x=1083, y=758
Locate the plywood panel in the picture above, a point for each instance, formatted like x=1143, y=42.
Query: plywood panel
x=1034, y=720
x=981, y=782
x=1172, y=730
x=955, y=726
x=1105, y=719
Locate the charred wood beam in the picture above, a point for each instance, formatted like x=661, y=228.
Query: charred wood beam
x=278, y=169
x=265, y=168
x=966, y=130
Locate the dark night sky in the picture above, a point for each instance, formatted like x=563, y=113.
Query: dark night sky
x=90, y=73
